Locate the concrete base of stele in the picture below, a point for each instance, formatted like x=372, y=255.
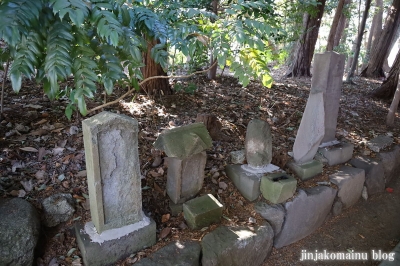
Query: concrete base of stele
x=337, y=154
x=114, y=244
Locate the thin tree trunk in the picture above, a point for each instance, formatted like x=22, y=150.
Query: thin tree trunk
x=335, y=23
x=380, y=51
x=388, y=87
x=393, y=107
x=212, y=73
x=375, y=30
x=304, y=51
x=343, y=21
x=151, y=69
x=359, y=40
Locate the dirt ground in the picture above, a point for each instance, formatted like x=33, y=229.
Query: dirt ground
x=42, y=154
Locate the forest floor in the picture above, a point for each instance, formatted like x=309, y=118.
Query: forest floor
x=42, y=153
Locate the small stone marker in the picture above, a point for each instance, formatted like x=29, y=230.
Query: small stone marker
x=185, y=177
x=278, y=187
x=119, y=226
x=186, y=159
x=258, y=143
x=202, y=211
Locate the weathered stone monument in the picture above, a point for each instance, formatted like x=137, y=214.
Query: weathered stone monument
x=318, y=124
x=258, y=150
x=118, y=227
x=185, y=147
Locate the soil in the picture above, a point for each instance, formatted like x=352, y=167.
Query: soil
x=41, y=146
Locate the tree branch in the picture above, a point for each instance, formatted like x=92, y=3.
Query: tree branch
x=144, y=81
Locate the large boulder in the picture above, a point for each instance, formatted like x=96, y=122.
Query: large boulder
x=274, y=214
x=305, y=214
x=57, y=208
x=233, y=246
x=391, y=163
x=174, y=254
x=374, y=173
x=19, y=232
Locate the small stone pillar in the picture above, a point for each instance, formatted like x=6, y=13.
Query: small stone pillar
x=119, y=226
x=186, y=159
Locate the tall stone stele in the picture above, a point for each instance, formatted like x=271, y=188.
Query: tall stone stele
x=319, y=120
x=119, y=226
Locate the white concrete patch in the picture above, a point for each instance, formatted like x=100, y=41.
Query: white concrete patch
x=260, y=170
x=115, y=233
x=329, y=143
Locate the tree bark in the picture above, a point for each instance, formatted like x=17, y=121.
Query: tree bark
x=380, y=51
x=388, y=87
x=155, y=86
x=375, y=30
x=304, y=51
x=212, y=124
x=343, y=21
x=212, y=73
x=335, y=23
x=359, y=40
x=393, y=107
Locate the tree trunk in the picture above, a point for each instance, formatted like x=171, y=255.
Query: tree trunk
x=375, y=29
x=304, y=51
x=158, y=86
x=380, y=51
x=343, y=21
x=212, y=73
x=386, y=67
x=359, y=40
x=388, y=87
x=393, y=107
x=335, y=23
x=212, y=124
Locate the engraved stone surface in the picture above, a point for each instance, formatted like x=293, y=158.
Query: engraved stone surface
x=311, y=130
x=258, y=143
x=112, y=162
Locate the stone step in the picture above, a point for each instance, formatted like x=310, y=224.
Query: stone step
x=202, y=211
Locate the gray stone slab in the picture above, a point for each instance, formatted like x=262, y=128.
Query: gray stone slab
x=108, y=252
x=185, y=141
x=350, y=182
x=247, y=183
x=328, y=69
x=274, y=214
x=174, y=254
x=337, y=154
x=112, y=163
x=311, y=130
x=379, y=143
x=305, y=214
x=393, y=257
x=374, y=173
x=307, y=170
x=391, y=163
x=202, y=211
x=258, y=143
x=237, y=246
x=176, y=208
x=57, y=208
x=185, y=177
x=19, y=232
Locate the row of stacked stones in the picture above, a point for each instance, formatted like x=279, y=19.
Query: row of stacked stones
x=259, y=175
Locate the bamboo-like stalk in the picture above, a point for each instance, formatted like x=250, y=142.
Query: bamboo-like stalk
x=2, y=87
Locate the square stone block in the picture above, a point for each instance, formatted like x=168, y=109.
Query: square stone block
x=176, y=209
x=337, y=154
x=114, y=244
x=278, y=187
x=202, y=211
x=247, y=183
x=306, y=170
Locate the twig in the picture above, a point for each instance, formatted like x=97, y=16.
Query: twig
x=144, y=81
x=2, y=87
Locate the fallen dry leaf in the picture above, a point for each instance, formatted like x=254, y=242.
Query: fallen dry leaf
x=30, y=149
x=165, y=232
x=165, y=217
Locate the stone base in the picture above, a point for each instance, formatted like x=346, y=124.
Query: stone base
x=202, y=211
x=114, y=244
x=278, y=187
x=337, y=154
x=247, y=179
x=306, y=170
